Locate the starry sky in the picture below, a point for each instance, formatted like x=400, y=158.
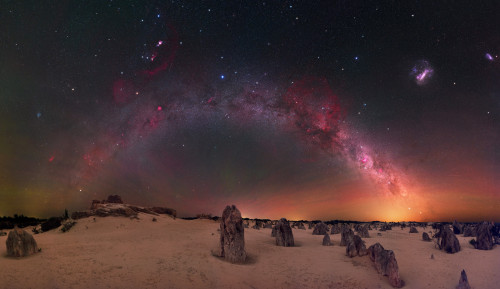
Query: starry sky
x=360, y=110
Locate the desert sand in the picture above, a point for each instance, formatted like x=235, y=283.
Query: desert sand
x=118, y=252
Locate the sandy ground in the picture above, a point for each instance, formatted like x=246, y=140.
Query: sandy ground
x=116, y=252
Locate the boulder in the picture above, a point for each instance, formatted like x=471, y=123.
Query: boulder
x=320, y=229
x=463, y=283
x=20, y=243
x=301, y=226
x=484, y=240
x=284, y=235
x=449, y=242
x=363, y=231
x=469, y=231
x=115, y=199
x=413, y=230
x=232, y=236
x=274, y=231
x=426, y=237
x=457, y=228
x=326, y=240
x=355, y=246
x=336, y=229
x=386, y=264
x=347, y=234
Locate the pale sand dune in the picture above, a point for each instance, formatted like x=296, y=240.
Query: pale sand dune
x=117, y=252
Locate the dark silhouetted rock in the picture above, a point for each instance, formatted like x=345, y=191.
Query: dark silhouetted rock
x=163, y=211
x=232, y=236
x=336, y=229
x=363, y=231
x=449, y=242
x=301, y=226
x=116, y=210
x=413, y=230
x=426, y=237
x=320, y=229
x=67, y=225
x=457, y=228
x=2, y=233
x=268, y=226
x=484, y=240
x=284, y=236
x=347, y=234
x=273, y=231
x=245, y=225
x=256, y=227
x=463, y=283
x=379, y=234
x=386, y=264
x=115, y=199
x=469, y=231
x=50, y=224
x=310, y=225
x=20, y=243
x=355, y=246
x=326, y=240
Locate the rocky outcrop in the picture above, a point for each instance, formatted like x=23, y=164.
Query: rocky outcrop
x=355, y=246
x=457, y=228
x=463, y=283
x=413, y=230
x=386, y=264
x=301, y=226
x=484, y=240
x=469, y=231
x=336, y=229
x=115, y=199
x=347, y=234
x=232, y=236
x=284, y=235
x=274, y=231
x=320, y=229
x=363, y=231
x=114, y=206
x=426, y=237
x=20, y=243
x=326, y=240
x=448, y=241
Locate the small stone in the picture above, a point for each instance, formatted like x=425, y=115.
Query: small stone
x=463, y=283
x=326, y=240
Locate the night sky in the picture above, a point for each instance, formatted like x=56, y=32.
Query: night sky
x=360, y=110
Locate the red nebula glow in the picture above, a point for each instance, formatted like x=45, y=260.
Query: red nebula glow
x=316, y=109
x=159, y=108
x=51, y=158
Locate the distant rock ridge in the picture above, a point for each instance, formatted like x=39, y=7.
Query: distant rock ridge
x=114, y=206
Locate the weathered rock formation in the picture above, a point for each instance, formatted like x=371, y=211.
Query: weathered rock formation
x=274, y=231
x=326, y=240
x=284, y=235
x=457, y=228
x=363, y=231
x=463, y=283
x=469, y=231
x=347, y=234
x=386, y=264
x=426, y=237
x=114, y=206
x=232, y=236
x=484, y=240
x=336, y=229
x=320, y=229
x=355, y=246
x=20, y=243
x=448, y=241
x=413, y=230
x=301, y=226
